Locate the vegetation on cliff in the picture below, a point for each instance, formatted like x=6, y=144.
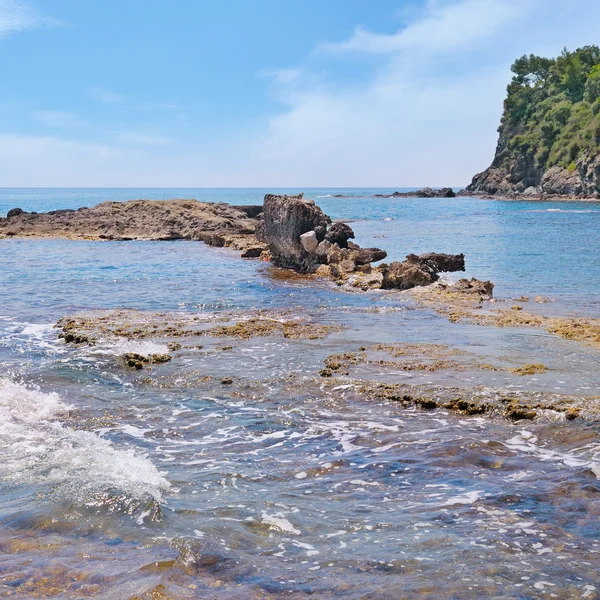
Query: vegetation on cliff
x=550, y=129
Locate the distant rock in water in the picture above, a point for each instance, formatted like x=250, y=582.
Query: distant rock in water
x=427, y=192
x=549, y=143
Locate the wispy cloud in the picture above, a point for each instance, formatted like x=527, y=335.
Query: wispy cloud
x=138, y=138
x=443, y=26
x=16, y=16
x=107, y=96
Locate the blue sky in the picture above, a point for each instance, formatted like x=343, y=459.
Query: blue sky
x=292, y=93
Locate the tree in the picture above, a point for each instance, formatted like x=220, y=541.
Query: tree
x=531, y=70
x=592, y=85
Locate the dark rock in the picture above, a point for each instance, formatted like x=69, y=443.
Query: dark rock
x=160, y=358
x=320, y=231
x=135, y=360
x=251, y=210
x=252, y=252
x=339, y=233
x=14, y=212
x=427, y=192
x=286, y=218
x=440, y=263
x=259, y=231
x=365, y=256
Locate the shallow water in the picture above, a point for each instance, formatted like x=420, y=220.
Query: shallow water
x=283, y=484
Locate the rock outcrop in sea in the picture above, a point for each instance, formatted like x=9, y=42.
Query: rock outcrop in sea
x=300, y=236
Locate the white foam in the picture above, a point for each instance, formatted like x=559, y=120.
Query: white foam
x=526, y=442
x=466, y=498
x=279, y=523
x=143, y=347
x=80, y=466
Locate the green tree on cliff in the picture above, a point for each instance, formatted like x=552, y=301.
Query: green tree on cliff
x=552, y=108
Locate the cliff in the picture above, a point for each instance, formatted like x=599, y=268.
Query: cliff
x=549, y=142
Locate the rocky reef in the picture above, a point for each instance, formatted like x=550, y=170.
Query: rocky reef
x=549, y=142
x=217, y=224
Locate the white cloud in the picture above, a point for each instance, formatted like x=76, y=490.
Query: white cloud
x=18, y=16
x=442, y=27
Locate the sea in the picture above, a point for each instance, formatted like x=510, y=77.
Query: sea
x=237, y=471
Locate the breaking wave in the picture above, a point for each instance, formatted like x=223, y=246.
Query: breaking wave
x=79, y=466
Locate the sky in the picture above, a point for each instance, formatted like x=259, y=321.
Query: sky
x=259, y=93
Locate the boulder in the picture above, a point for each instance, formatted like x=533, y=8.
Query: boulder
x=286, y=218
x=309, y=241
x=320, y=231
x=323, y=249
x=253, y=252
x=440, y=263
x=406, y=275
x=365, y=256
x=339, y=233
x=14, y=212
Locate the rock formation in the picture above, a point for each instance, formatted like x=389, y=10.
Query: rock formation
x=549, y=142
x=286, y=219
x=217, y=224
x=302, y=237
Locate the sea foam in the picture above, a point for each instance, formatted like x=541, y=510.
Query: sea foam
x=78, y=466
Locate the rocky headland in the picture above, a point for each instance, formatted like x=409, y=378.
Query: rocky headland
x=549, y=142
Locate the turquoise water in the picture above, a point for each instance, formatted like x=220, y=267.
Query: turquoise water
x=279, y=486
